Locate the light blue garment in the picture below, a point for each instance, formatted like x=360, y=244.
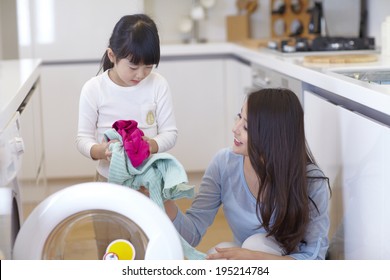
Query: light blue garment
x=162, y=174
x=224, y=184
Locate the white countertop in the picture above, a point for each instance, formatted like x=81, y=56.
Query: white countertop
x=16, y=79
x=371, y=95
x=18, y=76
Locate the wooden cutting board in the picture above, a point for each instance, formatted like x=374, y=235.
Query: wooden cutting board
x=342, y=58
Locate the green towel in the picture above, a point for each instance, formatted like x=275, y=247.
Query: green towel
x=162, y=174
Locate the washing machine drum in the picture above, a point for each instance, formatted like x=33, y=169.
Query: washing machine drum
x=97, y=221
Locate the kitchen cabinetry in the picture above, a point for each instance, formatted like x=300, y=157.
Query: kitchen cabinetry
x=61, y=87
x=21, y=149
x=207, y=94
x=353, y=151
x=264, y=77
x=197, y=87
x=33, y=168
x=238, y=83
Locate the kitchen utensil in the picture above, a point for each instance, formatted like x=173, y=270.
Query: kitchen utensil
x=241, y=6
x=251, y=6
x=246, y=6
x=315, y=18
x=296, y=6
x=207, y=3
x=279, y=7
x=279, y=27
x=296, y=28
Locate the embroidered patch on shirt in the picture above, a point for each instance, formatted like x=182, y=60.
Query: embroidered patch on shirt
x=150, y=118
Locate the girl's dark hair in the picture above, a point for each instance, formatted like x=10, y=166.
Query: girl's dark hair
x=134, y=37
x=278, y=152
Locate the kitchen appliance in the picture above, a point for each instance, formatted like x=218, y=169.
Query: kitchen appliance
x=62, y=226
x=322, y=44
x=263, y=77
x=11, y=212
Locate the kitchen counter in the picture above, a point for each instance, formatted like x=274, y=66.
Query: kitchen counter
x=376, y=97
x=17, y=77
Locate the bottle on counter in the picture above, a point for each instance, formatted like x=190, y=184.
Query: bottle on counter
x=385, y=30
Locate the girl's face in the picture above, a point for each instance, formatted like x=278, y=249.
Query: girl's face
x=126, y=73
x=240, y=132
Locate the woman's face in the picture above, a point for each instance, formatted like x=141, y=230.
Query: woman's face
x=126, y=73
x=240, y=132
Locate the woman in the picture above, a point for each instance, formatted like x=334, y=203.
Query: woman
x=267, y=182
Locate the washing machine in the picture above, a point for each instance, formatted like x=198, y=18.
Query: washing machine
x=11, y=214
x=98, y=221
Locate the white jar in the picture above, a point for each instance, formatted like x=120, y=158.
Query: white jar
x=385, y=30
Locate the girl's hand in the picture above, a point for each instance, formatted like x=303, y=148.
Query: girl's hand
x=107, y=152
x=106, y=146
x=153, y=146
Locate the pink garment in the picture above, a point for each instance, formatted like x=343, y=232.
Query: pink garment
x=136, y=148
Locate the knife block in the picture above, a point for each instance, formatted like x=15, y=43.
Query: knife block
x=237, y=27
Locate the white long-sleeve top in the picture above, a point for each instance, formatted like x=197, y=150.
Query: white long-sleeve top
x=102, y=102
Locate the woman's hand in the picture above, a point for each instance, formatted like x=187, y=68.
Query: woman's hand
x=144, y=191
x=171, y=209
x=237, y=253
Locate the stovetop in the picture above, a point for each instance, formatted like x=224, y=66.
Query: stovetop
x=320, y=44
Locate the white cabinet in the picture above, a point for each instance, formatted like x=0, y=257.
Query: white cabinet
x=365, y=187
x=354, y=152
x=238, y=83
x=197, y=87
x=32, y=173
x=323, y=134
x=61, y=87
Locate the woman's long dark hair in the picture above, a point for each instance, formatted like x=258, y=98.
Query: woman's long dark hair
x=279, y=155
x=134, y=37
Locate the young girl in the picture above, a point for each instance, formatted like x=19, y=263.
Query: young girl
x=127, y=89
x=268, y=184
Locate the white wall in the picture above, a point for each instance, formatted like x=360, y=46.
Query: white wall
x=8, y=30
x=1, y=34
x=169, y=13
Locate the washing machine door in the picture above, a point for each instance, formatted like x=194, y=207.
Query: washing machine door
x=97, y=221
